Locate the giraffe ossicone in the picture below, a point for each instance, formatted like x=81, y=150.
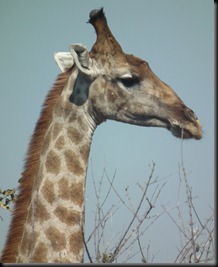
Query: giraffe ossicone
x=105, y=83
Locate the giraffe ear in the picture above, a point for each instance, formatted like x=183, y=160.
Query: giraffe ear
x=83, y=61
x=64, y=60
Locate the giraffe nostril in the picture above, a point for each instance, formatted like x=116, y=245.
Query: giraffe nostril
x=191, y=115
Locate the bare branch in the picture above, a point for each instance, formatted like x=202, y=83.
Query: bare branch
x=134, y=216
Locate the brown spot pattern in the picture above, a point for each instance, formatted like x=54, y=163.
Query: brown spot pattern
x=52, y=163
x=63, y=186
x=74, y=135
x=48, y=191
x=76, y=242
x=73, y=192
x=40, y=253
x=41, y=212
x=73, y=163
x=84, y=152
x=60, y=143
x=56, y=238
x=77, y=193
x=67, y=216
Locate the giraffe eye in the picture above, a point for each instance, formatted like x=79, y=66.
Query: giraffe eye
x=128, y=80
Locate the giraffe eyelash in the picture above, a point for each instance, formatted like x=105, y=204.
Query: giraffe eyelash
x=128, y=80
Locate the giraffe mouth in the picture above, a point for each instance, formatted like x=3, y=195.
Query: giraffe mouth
x=178, y=129
x=185, y=131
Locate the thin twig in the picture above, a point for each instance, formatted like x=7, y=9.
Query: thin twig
x=131, y=222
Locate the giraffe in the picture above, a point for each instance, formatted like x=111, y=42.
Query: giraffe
x=93, y=86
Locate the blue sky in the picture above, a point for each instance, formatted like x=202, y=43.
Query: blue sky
x=175, y=37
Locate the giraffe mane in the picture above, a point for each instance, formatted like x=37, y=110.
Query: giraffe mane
x=30, y=167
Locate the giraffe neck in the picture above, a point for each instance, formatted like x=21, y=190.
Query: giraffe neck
x=53, y=226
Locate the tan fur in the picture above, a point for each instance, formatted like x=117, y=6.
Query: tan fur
x=31, y=165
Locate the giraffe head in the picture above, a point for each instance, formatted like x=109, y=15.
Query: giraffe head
x=122, y=87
